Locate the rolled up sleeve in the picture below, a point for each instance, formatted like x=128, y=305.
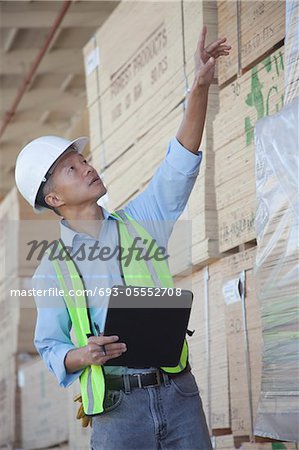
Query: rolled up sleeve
x=182, y=160
x=52, y=331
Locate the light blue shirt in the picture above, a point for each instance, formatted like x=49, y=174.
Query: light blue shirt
x=163, y=201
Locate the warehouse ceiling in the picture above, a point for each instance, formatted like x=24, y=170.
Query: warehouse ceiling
x=55, y=97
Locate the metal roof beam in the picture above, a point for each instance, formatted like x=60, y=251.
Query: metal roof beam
x=20, y=60
x=40, y=19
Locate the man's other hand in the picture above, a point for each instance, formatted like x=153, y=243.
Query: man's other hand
x=205, y=57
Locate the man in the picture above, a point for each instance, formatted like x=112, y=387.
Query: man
x=163, y=410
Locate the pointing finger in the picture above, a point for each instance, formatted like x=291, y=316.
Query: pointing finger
x=202, y=38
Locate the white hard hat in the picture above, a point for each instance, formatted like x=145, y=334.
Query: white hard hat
x=35, y=160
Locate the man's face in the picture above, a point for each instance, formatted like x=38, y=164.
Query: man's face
x=75, y=181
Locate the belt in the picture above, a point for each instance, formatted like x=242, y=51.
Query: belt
x=140, y=380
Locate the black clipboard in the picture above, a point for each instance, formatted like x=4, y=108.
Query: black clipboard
x=152, y=326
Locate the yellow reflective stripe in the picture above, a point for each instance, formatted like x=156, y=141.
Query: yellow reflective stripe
x=149, y=265
x=134, y=274
x=98, y=388
x=183, y=361
x=92, y=383
x=160, y=267
x=84, y=391
x=70, y=306
x=91, y=391
x=80, y=298
x=77, y=303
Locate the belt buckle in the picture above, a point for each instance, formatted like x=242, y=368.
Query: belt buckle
x=138, y=375
x=158, y=374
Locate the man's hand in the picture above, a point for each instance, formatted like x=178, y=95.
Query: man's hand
x=191, y=128
x=98, y=350
x=102, y=348
x=205, y=58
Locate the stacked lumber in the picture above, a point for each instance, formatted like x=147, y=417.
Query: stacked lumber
x=135, y=102
x=256, y=94
x=251, y=83
x=242, y=324
x=43, y=419
x=79, y=437
x=291, y=54
x=20, y=420
x=19, y=226
x=18, y=313
x=7, y=400
x=253, y=29
x=227, y=371
x=223, y=442
x=269, y=445
x=198, y=356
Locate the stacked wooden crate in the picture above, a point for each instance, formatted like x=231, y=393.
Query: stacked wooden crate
x=138, y=66
x=257, y=91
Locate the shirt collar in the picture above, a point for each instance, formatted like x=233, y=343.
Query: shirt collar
x=68, y=234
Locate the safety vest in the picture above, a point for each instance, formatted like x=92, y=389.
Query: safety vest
x=149, y=272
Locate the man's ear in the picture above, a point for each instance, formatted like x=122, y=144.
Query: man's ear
x=53, y=199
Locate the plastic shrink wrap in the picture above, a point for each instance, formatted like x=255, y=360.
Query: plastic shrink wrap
x=277, y=271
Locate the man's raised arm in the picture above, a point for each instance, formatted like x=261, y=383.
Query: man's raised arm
x=191, y=128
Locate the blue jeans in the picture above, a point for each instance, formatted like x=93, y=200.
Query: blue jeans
x=166, y=417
